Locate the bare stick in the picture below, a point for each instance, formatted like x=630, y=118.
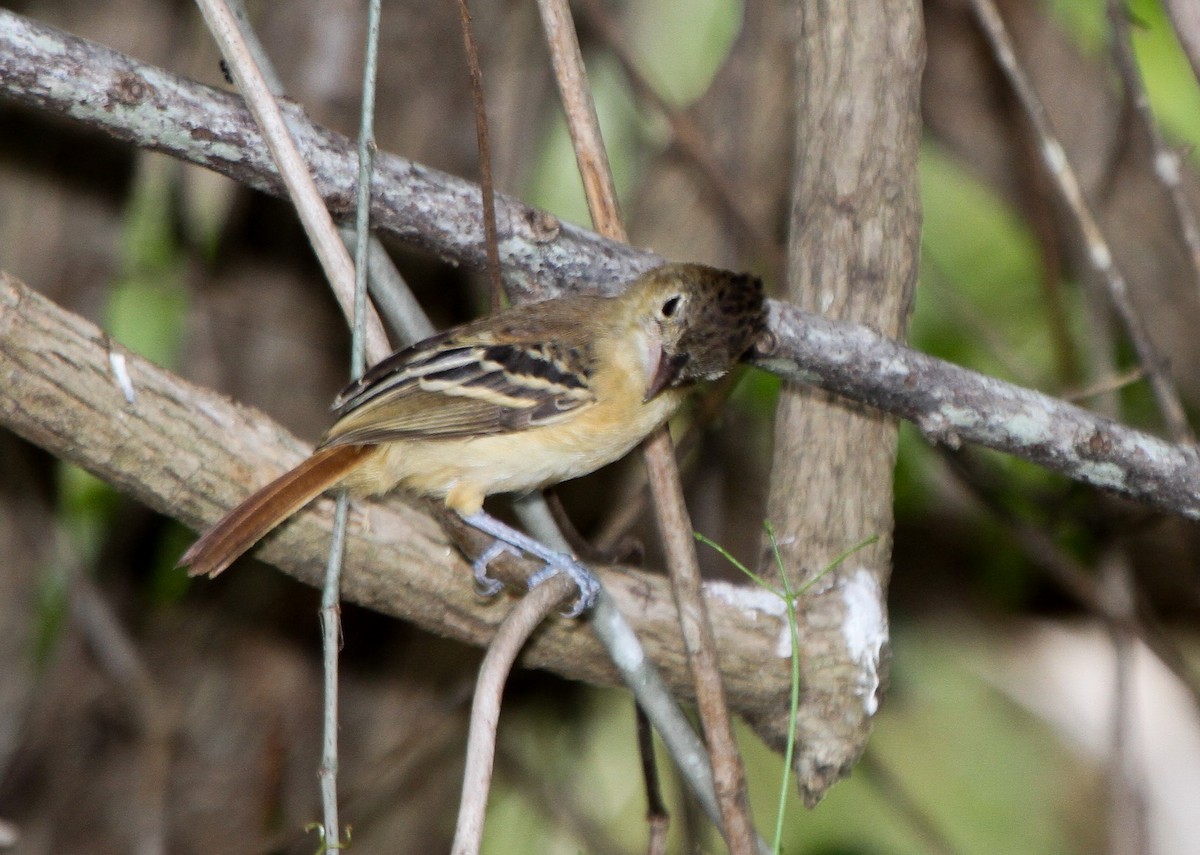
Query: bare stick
x=1185, y=17
x=331, y=642
x=952, y=405
x=689, y=138
x=1127, y=831
x=366, y=176
x=653, y=696
x=658, y=818
x=644, y=680
x=485, y=158
x=675, y=526
x=675, y=529
x=582, y=121
x=313, y=215
x=1099, y=253
x=529, y=612
x=1167, y=166
x=331, y=591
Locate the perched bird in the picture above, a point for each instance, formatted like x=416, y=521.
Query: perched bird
x=528, y=397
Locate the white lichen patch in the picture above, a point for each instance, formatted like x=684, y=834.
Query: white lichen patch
x=1030, y=427
x=120, y=372
x=1102, y=475
x=753, y=601
x=865, y=631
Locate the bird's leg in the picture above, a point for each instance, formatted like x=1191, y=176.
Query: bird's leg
x=508, y=539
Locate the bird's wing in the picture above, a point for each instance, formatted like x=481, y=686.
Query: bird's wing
x=483, y=379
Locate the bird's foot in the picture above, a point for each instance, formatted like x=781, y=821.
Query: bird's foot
x=508, y=539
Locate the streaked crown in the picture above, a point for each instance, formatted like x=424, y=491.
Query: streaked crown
x=709, y=317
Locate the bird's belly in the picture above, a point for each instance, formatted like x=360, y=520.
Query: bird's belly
x=464, y=470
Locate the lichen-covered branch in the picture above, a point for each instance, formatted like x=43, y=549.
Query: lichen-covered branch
x=953, y=405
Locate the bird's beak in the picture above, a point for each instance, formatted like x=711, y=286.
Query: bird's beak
x=665, y=373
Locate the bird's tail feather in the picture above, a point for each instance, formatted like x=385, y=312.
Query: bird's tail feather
x=254, y=518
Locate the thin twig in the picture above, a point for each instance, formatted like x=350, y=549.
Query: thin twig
x=529, y=612
x=729, y=775
x=1127, y=832
x=485, y=158
x=1098, y=251
x=366, y=177
x=689, y=138
x=1105, y=386
x=331, y=642
x=314, y=216
x=639, y=674
x=1167, y=166
x=1185, y=18
x=658, y=818
x=584, y=125
x=331, y=612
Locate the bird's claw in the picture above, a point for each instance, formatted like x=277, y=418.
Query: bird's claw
x=486, y=585
x=584, y=579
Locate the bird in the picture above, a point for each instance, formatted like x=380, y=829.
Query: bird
x=530, y=396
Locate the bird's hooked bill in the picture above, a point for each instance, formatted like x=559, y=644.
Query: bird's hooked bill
x=665, y=373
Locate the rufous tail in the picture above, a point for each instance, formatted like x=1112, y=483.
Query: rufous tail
x=251, y=521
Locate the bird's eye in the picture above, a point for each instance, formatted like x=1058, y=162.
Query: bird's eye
x=670, y=307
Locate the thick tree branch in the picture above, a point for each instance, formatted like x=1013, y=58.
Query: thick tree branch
x=853, y=247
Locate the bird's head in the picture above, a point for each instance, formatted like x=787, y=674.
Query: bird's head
x=702, y=321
